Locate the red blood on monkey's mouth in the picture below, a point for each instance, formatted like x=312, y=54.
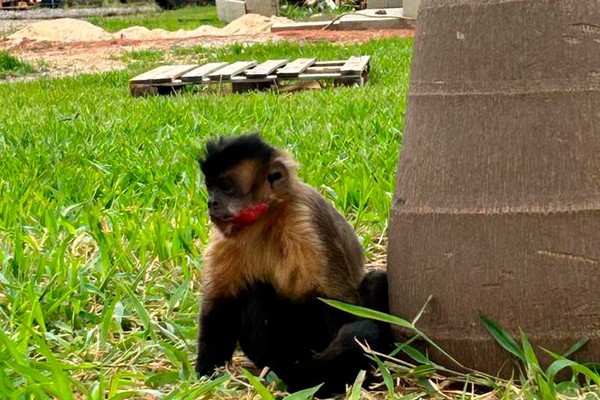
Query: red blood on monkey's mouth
x=249, y=215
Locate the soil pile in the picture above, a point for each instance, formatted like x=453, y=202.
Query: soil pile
x=74, y=30
x=252, y=24
x=62, y=30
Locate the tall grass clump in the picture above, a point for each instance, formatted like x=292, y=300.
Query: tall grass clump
x=11, y=66
x=188, y=18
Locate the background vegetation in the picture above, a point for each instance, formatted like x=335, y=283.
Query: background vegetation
x=187, y=18
x=103, y=220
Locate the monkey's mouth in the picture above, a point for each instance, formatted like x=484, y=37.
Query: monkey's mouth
x=224, y=223
x=220, y=218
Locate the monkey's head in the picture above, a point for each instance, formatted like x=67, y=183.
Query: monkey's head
x=246, y=179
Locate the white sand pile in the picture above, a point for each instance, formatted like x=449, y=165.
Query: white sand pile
x=74, y=30
x=62, y=30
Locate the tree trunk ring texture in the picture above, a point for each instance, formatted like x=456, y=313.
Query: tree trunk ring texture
x=497, y=203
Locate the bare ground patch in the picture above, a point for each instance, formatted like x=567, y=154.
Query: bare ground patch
x=65, y=59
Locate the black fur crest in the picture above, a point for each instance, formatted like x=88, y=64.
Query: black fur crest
x=225, y=152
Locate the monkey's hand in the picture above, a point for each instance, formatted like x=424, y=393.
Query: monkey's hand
x=204, y=369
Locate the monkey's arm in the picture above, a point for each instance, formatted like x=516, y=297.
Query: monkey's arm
x=218, y=333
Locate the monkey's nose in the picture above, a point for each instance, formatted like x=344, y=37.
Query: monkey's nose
x=213, y=203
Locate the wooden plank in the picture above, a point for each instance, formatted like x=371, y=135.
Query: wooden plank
x=231, y=70
x=264, y=69
x=319, y=76
x=163, y=74
x=198, y=74
x=295, y=68
x=173, y=73
x=147, y=76
x=329, y=63
x=268, y=78
x=174, y=82
x=322, y=70
x=355, y=65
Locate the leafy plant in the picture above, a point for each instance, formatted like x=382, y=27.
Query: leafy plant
x=11, y=66
x=543, y=383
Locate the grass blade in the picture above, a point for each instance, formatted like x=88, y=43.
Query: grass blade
x=139, y=307
x=562, y=363
x=305, y=394
x=368, y=313
x=106, y=321
x=260, y=388
x=387, y=377
x=576, y=346
x=529, y=357
x=416, y=355
x=421, y=311
x=62, y=384
x=357, y=386
x=162, y=378
x=503, y=338
x=391, y=319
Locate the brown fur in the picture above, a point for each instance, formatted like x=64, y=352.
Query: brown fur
x=244, y=173
x=263, y=273
x=284, y=248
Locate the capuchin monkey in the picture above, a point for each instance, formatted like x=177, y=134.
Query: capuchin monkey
x=277, y=247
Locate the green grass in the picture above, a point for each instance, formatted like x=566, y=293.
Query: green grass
x=298, y=13
x=11, y=66
x=142, y=57
x=103, y=219
x=184, y=18
x=103, y=222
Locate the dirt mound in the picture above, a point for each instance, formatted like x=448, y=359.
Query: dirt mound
x=74, y=30
x=62, y=30
x=142, y=33
x=252, y=24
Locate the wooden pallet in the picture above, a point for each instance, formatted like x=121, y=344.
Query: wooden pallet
x=249, y=75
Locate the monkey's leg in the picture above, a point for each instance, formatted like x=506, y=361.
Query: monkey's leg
x=274, y=331
x=338, y=364
x=218, y=333
x=373, y=291
x=259, y=338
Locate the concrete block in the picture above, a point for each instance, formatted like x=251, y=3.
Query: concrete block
x=229, y=10
x=372, y=23
x=411, y=8
x=384, y=4
x=299, y=26
x=352, y=22
x=268, y=8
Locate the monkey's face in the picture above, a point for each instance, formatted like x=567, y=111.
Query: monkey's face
x=244, y=194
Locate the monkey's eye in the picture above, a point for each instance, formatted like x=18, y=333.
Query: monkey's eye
x=227, y=187
x=274, y=177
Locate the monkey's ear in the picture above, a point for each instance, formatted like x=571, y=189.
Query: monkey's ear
x=280, y=169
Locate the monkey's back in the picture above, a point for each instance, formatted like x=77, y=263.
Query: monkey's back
x=345, y=259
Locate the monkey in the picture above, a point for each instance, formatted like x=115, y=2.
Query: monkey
x=276, y=247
